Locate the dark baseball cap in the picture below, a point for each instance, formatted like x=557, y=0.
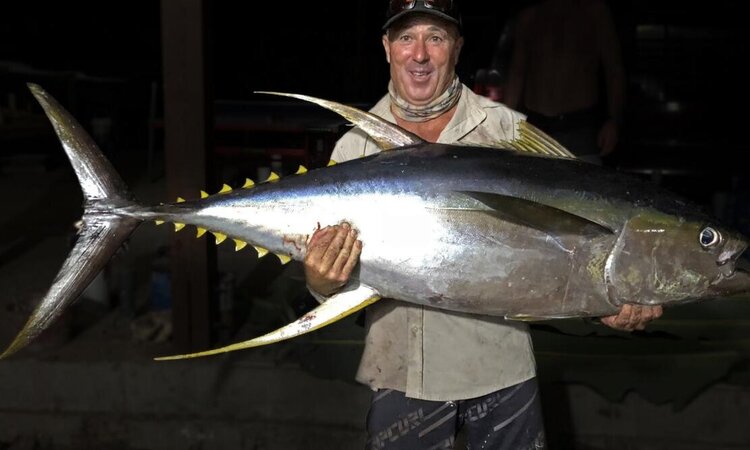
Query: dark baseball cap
x=445, y=9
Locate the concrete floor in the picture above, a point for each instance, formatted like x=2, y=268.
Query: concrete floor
x=91, y=383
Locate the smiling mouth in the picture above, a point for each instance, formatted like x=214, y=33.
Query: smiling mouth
x=419, y=73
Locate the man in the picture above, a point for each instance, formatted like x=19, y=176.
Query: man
x=435, y=371
x=560, y=50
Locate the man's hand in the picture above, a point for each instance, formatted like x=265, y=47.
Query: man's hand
x=632, y=317
x=331, y=256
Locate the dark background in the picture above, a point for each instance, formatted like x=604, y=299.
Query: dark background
x=685, y=64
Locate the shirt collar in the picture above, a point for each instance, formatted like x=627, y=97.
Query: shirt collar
x=469, y=114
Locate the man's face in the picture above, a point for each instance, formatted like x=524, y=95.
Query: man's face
x=422, y=52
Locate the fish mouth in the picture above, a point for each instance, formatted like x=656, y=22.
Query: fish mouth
x=730, y=264
x=734, y=276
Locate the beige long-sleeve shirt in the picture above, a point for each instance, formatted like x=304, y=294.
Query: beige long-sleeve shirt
x=429, y=353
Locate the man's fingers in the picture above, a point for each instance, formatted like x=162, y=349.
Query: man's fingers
x=633, y=317
x=317, y=268
x=652, y=313
x=622, y=320
x=353, y=259
x=332, y=254
x=649, y=313
x=344, y=253
x=337, y=242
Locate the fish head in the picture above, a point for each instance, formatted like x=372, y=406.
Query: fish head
x=662, y=259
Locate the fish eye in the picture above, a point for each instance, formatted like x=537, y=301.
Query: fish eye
x=709, y=237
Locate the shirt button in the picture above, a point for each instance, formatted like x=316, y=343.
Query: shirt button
x=414, y=329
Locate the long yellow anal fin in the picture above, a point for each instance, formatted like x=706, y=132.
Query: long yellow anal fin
x=201, y=232
x=331, y=163
x=522, y=317
x=225, y=189
x=204, y=194
x=283, y=258
x=219, y=237
x=178, y=226
x=159, y=222
x=332, y=310
x=261, y=251
x=180, y=200
x=301, y=170
x=239, y=245
x=248, y=183
x=273, y=177
x=530, y=318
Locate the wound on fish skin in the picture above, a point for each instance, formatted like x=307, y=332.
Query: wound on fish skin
x=225, y=189
x=201, y=232
x=248, y=183
x=204, y=194
x=239, y=245
x=301, y=170
x=219, y=237
x=283, y=258
x=261, y=251
x=273, y=177
x=178, y=226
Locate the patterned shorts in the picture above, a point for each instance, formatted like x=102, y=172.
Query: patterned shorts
x=509, y=419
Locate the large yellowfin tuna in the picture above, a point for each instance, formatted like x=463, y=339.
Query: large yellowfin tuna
x=524, y=231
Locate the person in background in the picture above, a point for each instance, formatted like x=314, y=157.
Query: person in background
x=562, y=49
x=435, y=372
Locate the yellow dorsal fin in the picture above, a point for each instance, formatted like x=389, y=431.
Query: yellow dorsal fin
x=180, y=200
x=273, y=177
x=248, y=183
x=158, y=222
x=219, y=237
x=331, y=163
x=239, y=245
x=204, y=194
x=261, y=251
x=533, y=140
x=385, y=134
x=283, y=258
x=225, y=189
x=201, y=232
x=301, y=170
x=178, y=226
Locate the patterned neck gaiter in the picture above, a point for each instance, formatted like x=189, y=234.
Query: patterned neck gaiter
x=423, y=113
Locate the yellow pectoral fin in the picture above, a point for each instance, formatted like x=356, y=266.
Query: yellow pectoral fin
x=333, y=309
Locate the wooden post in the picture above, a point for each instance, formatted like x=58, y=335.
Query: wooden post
x=188, y=127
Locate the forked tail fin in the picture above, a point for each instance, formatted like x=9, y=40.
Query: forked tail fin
x=103, y=231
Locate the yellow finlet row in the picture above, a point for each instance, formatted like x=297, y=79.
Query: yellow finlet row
x=239, y=244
